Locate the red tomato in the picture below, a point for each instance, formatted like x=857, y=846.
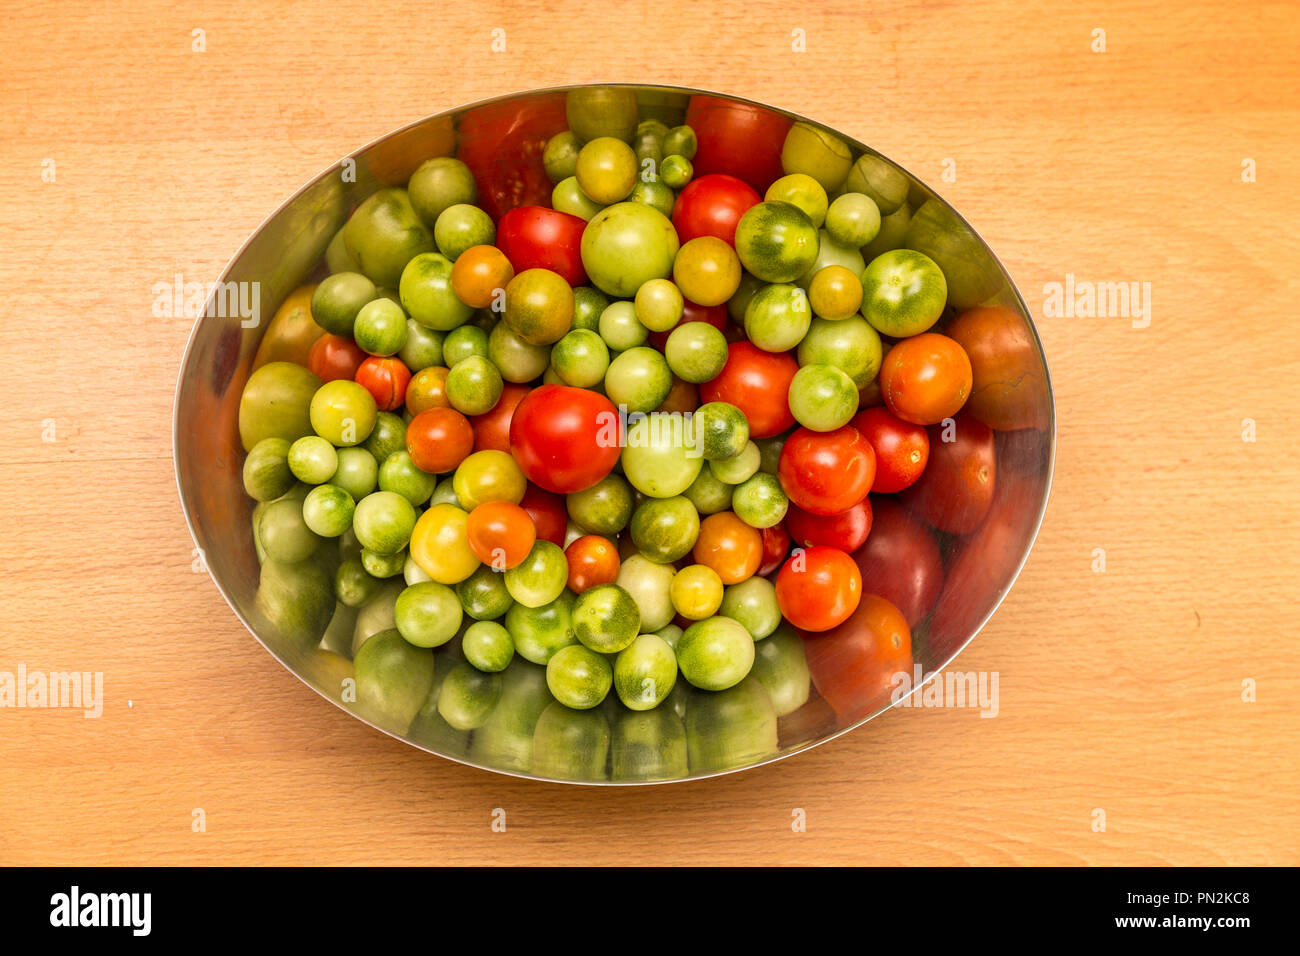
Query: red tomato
x=901, y=448
x=846, y=530
x=757, y=383
x=742, y=139
x=900, y=561
x=956, y=489
x=1008, y=382
x=438, y=440
x=502, y=144
x=492, y=428
x=926, y=378
x=711, y=206
x=386, y=380
x=776, y=545
x=592, y=560
x=548, y=513
x=715, y=315
x=826, y=472
x=333, y=357
x=565, y=439
x=818, y=588
x=534, y=237
x=500, y=534
x=854, y=665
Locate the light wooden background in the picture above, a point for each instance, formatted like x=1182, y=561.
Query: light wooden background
x=1120, y=690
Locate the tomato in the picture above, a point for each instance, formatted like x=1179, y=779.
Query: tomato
x=714, y=315
x=592, y=560
x=776, y=545
x=711, y=206
x=439, y=439
x=826, y=472
x=492, y=428
x=900, y=561
x=333, y=357
x=1009, y=387
x=846, y=530
x=902, y=449
x=534, y=237
x=427, y=389
x=478, y=273
x=757, y=383
x=440, y=546
x=853, y=665
x=956, y=489
x=926, y=378
x=565, y=439
x=818, y=588
x=502, y=144
x=386, y=380
x=742, y=139
x=729, y=546
x=500, y=534
x=548, y=513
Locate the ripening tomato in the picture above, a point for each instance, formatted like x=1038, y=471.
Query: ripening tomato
x=715, y=315
x=818, y=588
x=439, y=439
x=742, y=139
x=956, y=489
x=901, y=448
x=479, y=274
x=500, y=534
x=427, y=389
x=1008, y=387
x=853, y=666
x=711, y=206
x=846, y=530
x=776, y=545
x=826, y=472
x=926, y=378
x=492, y=428
x=333, y=357
x=729, y=546
x=900, y=561
x=534, y=237
x=502, y=144
x=565, y=439
x=386, y=380
x=592, y=560
x=757, y=383
x=548, y=513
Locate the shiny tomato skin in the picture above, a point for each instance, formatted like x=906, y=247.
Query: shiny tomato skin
x=741, y=139
x=565, y=439
x=757, y=383
x=438, y=440
x=957, y=487
x=550, y=519
x=902, y=448
x=593, y=559
x=900, y=561
x=926, y=378
x=492, y=428
x=711, y=206
x=502, y=144
x=534, y=237
x=846, y=530
x=1008, y=386
x=853, y=666
x=776, y=545
x=333, y=357
x=500, y=534
x=818, y=588
x=826, y=473
x=386, y=380
x=715, y=315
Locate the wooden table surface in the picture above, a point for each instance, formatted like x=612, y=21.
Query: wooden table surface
x=1120, y=690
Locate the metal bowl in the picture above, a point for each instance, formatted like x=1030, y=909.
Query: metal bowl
x=695, y=734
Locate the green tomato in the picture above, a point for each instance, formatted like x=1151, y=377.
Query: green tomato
x=606, y=618
x=579, y=677
x=343, y=412
x=567, y=196
x=384, y=521
x=665, y=529
x=267, y=473
x=284, y=532
x=427, y=296
x=445, y=494
x=753, y=604
x=880, y=180
x=627, y=244
x=696, y=352
x=581, y=358
x=660, y=457
x=337, y=257
x=973, y=276
x=380, y=327
x=357, y=472
x=851, y=345
x=338, y=299
x=393, y=678
x=487, y=646
x=903, y=293
x=781, y=667
x=648, y=142
x=540, y=578
x=384, y=234
x=620, y=328
x=588, y=304
x=383, y=565
x=650, y=585
x=822, y=397
x=645, y=672
x=759, y=501
x=483, y=594
x=801, y=190
x=681, y=141
x=671, y=635
x=654, y=194
x=387, y=437
x=474, y=386
x=594, y=111
x=353, y=584
x=438, y=184
x=721, y=430
x=399, y=474
x=328, y=510
x=777, y=317
x=467, y=697
x=715, y=653
x=853, y=219
x=560, y=157
x=739, y=467
x=461, y=226
x=776, y=241
x=423, y=347
x=517, y=361
x=817, y=152
x=605, y=508
x=459, y=344
x=428, y=614
x=313, y=460
x=606, y=170
x=708, y=494
x=659, y=305
x=769, y=453
x=638, y=379
x=676, y=171
x=276, y=403
x=538, y=633
x=745, y=292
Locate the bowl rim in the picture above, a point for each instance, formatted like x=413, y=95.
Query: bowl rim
x=1032, y=538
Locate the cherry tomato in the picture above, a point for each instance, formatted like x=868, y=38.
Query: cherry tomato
x=333, y=357
x=956, y=489
x=926, y=378
x=534, y=237
x=502, y=144
x=492, y=428
x=592, y=560
x=715, y=315
x=427, y=389
x=386, y=380
x=478, y=273
x=728, y=546
x=565, y=439
x=742, y=139
x=901, y=448
x=776, y=545
x=826, y=472
x=757, y=383
x=853, y=665
x=1008, y=385
x=711, y=206
x=500, y=534
x=846, y=530
x=439, y=439
x=548, y=513
x=900, y=561
x=818, y=588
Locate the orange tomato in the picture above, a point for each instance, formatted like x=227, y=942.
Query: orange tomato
x=592, y=560
x=500, y=534
x=439, y=439
x=728, y=546
x=926, y=378
x=385, y=379
x=427, y=389
x=480, y=273
x=853, y=665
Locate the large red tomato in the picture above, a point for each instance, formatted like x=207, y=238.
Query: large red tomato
x=846, y=530
x=565, y=439
x=956, y=489
x=818, y=588
x=757, y=383
x=900, y=561
x=738, y=138
x=534, y=237
x=711, y=206
x=492, y=428
x=502, y=144
x=854, y=665
x=826, y=472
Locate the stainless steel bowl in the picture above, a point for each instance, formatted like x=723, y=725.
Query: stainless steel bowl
x=696, y=734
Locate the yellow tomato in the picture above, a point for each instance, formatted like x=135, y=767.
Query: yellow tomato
x=292, y=331
x=489, y=475
x=696, y=592
x=440, y=545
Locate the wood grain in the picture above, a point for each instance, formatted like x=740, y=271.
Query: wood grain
x=1120, y=690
